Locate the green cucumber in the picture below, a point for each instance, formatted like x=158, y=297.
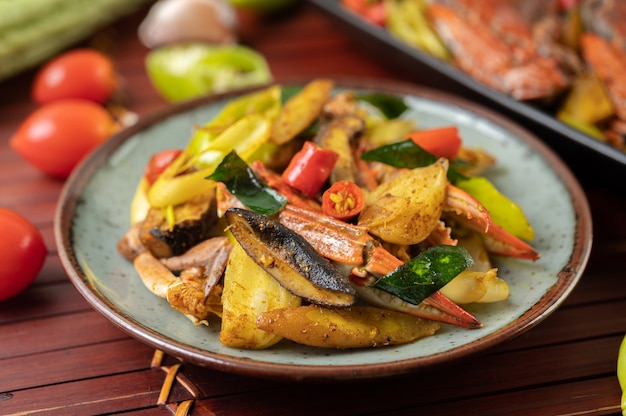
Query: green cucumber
x=35, y=31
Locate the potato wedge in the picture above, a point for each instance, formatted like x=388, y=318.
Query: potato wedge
x=405, y=209
x=354, y=327
x=248, y=291
x=300, y=110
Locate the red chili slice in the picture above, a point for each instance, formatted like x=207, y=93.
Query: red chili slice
x=310, y=168
x=343, y=200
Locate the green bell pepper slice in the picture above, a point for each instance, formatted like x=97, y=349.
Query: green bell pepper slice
x=184, y=71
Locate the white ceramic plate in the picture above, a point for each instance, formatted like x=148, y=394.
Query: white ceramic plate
x=93, y=213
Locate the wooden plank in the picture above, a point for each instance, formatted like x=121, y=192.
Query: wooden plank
x=52, y=271
x=156, y=411
x=598, y=284
x=14, y=169
x=588, y=397
x=79, y=363
x=558, y=327
x=42, y=300
x=104, y=395
x=30, y=192
x=520, y=371
x=57, y=332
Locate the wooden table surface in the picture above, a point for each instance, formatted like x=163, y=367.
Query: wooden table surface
x=59, y=357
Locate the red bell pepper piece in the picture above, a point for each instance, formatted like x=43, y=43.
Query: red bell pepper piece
x=343, y=200
x=441, y=142
x=309, y=169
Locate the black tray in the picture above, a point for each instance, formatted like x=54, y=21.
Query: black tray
x=586, y=155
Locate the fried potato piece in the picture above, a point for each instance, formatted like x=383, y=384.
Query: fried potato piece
x=300, y=110
x=248, y=291
x=405, y=209
x=337, y=136
x=355, y=327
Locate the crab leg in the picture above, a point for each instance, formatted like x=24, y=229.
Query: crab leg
x=441, y=234
x=194, y=292
x=437, y=307
x=214, y=250
x=332, y=238
x=210, y=256
x=155, y=276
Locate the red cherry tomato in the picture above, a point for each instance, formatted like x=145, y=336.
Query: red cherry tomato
x=22, y=253
x=343, y=200
x=158, y=162
x=81, y=73
x=58, y=135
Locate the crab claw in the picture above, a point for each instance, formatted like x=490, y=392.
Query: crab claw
x=499, y=241
x=462, y=205
x=450, y=312
x=467, y=211
x=436, y=307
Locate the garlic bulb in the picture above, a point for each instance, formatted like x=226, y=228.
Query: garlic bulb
x=177, y=21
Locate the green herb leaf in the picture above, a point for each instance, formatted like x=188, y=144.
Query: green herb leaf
x=403, y=154
x=390, y=105
x=244, y=184
x=406, y=154
x=423, y=275
x=288, y=91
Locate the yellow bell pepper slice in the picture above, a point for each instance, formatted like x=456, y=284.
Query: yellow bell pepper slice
x=174, y=186
x=266, y=102
x=587, y=101
x=621, y=373
x=406, y=20
x=140, y=206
